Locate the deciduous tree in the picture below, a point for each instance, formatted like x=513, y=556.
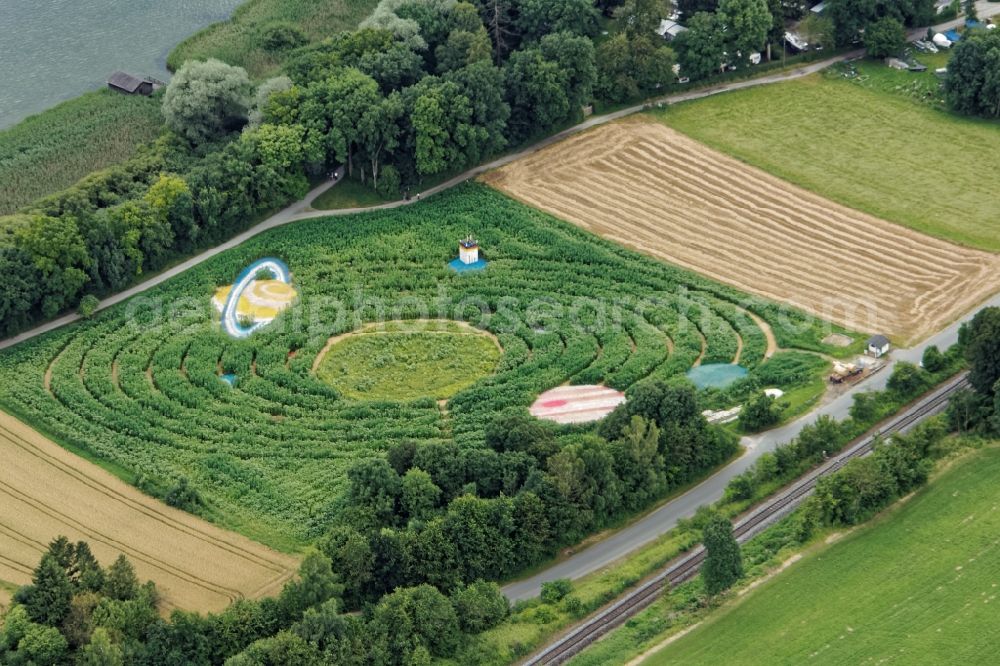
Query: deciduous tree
x=983, y=350
x=700, y=47
x=100, y=651
x=59, y=254
x=441, y=120
x=973, y=83
x=642, y=17
x=760, y=412
x=480, y=606
x=575, y=55
x=884, y=37
x=416, y=617
x=537, y=93
x=746, y=24
x=537, y=18
x=374, y=484
x=723, y=563
x=483, y=85
x=419, y=495
x=207, y=99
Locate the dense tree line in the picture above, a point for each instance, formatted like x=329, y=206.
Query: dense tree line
x=978, y=409
x=851, y=18
x=866, y=485
x=76, y=612
x=440, y=514
x=973, y=83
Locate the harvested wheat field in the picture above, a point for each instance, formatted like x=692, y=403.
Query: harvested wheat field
x=46, y=491
x=651, y=188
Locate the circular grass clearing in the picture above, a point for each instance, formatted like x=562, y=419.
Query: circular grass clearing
x=403, y=362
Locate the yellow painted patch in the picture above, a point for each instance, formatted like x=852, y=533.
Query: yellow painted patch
x=261, y=301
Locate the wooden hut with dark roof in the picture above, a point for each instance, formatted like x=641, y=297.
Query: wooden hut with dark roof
x=132, y=85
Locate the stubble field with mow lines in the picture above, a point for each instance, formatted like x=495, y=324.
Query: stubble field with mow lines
x=651, y=188
x=46, y=491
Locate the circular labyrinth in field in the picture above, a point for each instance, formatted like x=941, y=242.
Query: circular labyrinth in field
x=403, y=362
x=576, y=404
x=141, y=387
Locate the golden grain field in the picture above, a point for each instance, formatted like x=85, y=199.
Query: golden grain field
x=649, y=187
x=46, y=491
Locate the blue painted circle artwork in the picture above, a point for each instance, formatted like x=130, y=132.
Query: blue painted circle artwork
x=230, y=320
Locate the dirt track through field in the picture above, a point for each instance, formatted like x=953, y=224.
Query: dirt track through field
x=46, y=491
x=651, y=188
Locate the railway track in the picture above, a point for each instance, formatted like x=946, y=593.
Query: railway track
x=747, y=526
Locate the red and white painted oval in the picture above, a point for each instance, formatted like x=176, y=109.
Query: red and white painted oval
x=576, y=404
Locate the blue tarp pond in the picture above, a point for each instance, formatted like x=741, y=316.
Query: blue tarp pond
x=459, y=267
x=716, y=375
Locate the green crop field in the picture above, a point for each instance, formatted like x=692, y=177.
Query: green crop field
x=54, y=149
x=872, y=144
x=917, y=586
x=139, y=385
x=237, y=41
x=432, y=360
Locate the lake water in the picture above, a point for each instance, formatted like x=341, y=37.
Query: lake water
x=52, y=50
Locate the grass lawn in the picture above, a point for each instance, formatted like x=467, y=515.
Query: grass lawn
x=348, y=194
x=923, y=87
x=237, y=40
x=802, y=377
x=918, y=585
x=433, y=361
x=871, y=148
x=53, y=149
x=803, y=398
